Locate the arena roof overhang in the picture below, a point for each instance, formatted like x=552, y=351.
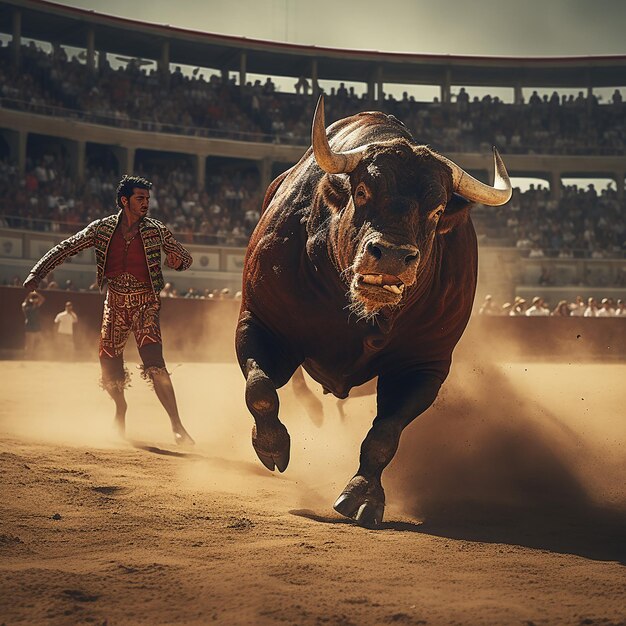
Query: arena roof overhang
x=48, y=21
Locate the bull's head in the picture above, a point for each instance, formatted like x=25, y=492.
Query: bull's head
x=396, y=198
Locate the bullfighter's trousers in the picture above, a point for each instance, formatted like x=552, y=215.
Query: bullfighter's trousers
x=130, y=306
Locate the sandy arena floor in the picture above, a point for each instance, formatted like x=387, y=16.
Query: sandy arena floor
x=506, y=505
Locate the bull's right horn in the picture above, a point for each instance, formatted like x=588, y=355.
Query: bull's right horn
x=472, y=189
x=329, y=161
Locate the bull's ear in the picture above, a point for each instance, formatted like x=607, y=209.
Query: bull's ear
x=455, y=214
x=335, y=191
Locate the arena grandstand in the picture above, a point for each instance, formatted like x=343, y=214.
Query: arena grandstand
x=211, y=119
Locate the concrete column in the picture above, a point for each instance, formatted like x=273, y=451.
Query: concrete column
x=371, y=90
x=17, y=140
x=130, y=157
x=555, y=185
x=16, y=42
x=380, y=94
x=589, y=94
x=518, y=95
x=164, y=62
x=76, y=152
x=445, y=95
x=200, y=170
x=243, y=57
x=125, y=158
x=315, y=88
x=91, y=49
x=265, y=171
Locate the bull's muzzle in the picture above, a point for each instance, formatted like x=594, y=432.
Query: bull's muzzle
x=382, y=271
x=391, y=258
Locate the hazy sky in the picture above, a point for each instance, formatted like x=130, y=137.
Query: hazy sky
x=482, y=27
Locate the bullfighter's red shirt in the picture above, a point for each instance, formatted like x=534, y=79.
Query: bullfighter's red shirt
x=123, y=257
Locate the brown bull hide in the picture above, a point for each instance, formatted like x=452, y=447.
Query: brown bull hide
x=357, y=275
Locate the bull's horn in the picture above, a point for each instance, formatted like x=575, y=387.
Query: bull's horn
x=474, y=190
x=329, y=161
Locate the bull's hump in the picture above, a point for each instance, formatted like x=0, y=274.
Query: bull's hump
x=367, y=127
x=379, y=116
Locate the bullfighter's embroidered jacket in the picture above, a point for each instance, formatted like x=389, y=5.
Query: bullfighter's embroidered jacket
x=154, y=235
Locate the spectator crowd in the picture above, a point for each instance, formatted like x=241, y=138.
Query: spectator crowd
x=131, y=96
x=46, y=198
x=538, y=307
x=584, y=223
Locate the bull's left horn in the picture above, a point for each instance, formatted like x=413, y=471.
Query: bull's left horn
x=472, y=189
x=329, y=161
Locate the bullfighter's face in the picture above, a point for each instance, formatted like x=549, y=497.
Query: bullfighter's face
x=397, y=199
x=137, y=204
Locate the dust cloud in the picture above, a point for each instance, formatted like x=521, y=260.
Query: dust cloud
x=516, y=434
x=534, y=447
x=502, y=436
x=494, y=496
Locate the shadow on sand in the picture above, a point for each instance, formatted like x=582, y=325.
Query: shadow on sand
x=598, y=534
x=337, y=519
x=589, y=531
x=182, y=453
x=489, y=464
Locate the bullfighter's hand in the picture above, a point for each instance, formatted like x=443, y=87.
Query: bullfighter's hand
x=32, y=282
x=173, y=260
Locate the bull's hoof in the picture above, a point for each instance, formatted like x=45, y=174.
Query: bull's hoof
x=363, y=502
x=370, y=514
x=272, y=446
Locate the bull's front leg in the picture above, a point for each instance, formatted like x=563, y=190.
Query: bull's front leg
x=400, y=400
x=266, y=366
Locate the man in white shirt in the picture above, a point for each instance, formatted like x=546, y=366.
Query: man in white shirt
x=577, y=308
x=592, y=308
x=64, y=322
x=605, y=309
x=537, y=309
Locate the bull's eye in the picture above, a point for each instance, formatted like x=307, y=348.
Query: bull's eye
x=361, y=194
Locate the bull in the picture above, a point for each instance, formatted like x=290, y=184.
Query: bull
x=363, y=265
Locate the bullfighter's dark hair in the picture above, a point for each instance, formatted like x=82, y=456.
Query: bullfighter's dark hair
x=126, y=186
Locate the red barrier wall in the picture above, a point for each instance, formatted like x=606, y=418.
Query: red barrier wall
x=558, y=338
x=203, y=330
x=193, y=330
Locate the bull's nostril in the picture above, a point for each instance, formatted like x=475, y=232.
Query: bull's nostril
x=375, y=251
x=409, y=258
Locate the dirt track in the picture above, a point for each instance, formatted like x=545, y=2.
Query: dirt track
x=505, y=505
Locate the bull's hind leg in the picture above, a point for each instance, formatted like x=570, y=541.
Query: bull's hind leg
x=400, y=400
x=266, y=367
